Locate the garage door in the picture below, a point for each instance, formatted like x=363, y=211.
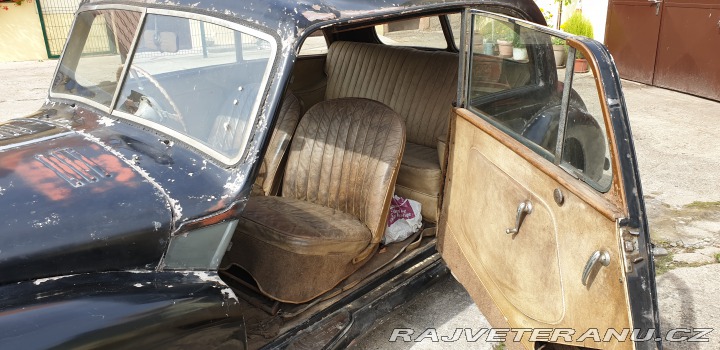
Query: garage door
x=673, y=44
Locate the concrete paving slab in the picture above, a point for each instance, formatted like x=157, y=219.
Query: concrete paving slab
x=24, y=87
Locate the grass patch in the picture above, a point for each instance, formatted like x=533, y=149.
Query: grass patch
x=663, y=264
x=717, y=257
x=703, y=205
x=500, y=346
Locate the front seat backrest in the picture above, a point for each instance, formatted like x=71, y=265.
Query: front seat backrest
x=345, y=155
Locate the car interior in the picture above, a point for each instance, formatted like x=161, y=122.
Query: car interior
x=360, y=121
x=366, y=115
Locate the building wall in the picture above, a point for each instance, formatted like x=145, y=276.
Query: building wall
x=595, y=10
x=22, y=38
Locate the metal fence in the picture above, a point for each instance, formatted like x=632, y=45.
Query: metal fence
x=56, y=17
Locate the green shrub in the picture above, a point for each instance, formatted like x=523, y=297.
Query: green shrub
x=579, y=25
x=517, y=41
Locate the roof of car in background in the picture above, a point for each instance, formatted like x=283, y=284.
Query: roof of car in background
x=289, y=19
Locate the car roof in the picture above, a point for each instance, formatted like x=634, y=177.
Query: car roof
x=288, y=18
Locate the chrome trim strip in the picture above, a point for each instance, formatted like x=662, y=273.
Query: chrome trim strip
x=30, y=142
x=62, y=55
x=567, y=86
x=81, y=99
x=174, y=133
x=523, y=23
x=128, y=61
x=126, y=7
x=462, y=55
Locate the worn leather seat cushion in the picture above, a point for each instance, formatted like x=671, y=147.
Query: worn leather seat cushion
x=420, y=169
x=421, y=178
x=303, y=227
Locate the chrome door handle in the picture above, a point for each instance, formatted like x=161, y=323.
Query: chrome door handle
x=657, y=6
x=524, y=208
x=599, y=256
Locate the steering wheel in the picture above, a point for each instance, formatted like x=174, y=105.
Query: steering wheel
x=176, y=116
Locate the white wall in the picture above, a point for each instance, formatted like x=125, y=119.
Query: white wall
x=595, y=10
x=22, y=38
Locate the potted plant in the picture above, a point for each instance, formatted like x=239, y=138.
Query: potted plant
x=519, y=51
x=560, y=51
x=579, y=25
x=503, y=35
x=504, y=48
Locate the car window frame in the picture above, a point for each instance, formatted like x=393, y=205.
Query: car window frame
x=574, y=46
x=113, y=111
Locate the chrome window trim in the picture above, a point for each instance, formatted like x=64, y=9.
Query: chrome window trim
x=168, y=131
x=556, y=157
x=129, y=61
x=87, y=101
x=229, y=161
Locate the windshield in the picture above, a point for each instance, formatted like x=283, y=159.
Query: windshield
x=196, y=80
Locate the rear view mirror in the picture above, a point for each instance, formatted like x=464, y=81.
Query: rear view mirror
x=162, y=41
x=168, y=42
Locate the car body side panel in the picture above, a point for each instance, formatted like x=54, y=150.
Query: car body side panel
x=120, y=310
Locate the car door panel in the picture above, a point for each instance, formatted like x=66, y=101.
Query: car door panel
x=510, y=274
x=534, y=278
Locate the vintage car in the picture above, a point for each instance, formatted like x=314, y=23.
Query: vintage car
x=217, y=174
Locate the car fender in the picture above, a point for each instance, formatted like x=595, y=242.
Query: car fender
x=120, y=310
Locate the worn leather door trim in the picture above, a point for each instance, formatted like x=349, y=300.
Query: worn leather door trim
x=479, y=203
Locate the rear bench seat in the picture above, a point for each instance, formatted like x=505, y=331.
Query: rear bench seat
x=418, y=85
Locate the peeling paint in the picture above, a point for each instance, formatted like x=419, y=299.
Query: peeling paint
x=40, y=281
x=204, y=276
x=174, y=204
x=105, y=121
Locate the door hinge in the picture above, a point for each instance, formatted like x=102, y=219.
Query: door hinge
x=630, y=247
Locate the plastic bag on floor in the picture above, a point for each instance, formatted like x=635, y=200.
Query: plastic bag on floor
x=403, y=220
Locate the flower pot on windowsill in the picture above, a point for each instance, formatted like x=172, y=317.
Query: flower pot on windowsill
x=505, y=48
x=581, y=65
x=560, y=55
x=520, y=53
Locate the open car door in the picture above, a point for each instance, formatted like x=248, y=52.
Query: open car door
x=543, y=218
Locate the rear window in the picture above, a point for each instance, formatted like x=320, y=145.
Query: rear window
x=415, y=32
x=315, y=44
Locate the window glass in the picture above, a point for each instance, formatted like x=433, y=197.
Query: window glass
x=517, y=80
x=314, y=44
x=455, y=20
x=416, y=32
x=96, y=54
x=585, y=147
x=198, y=79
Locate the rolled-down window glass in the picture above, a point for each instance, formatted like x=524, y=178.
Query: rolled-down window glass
x=197, y=79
